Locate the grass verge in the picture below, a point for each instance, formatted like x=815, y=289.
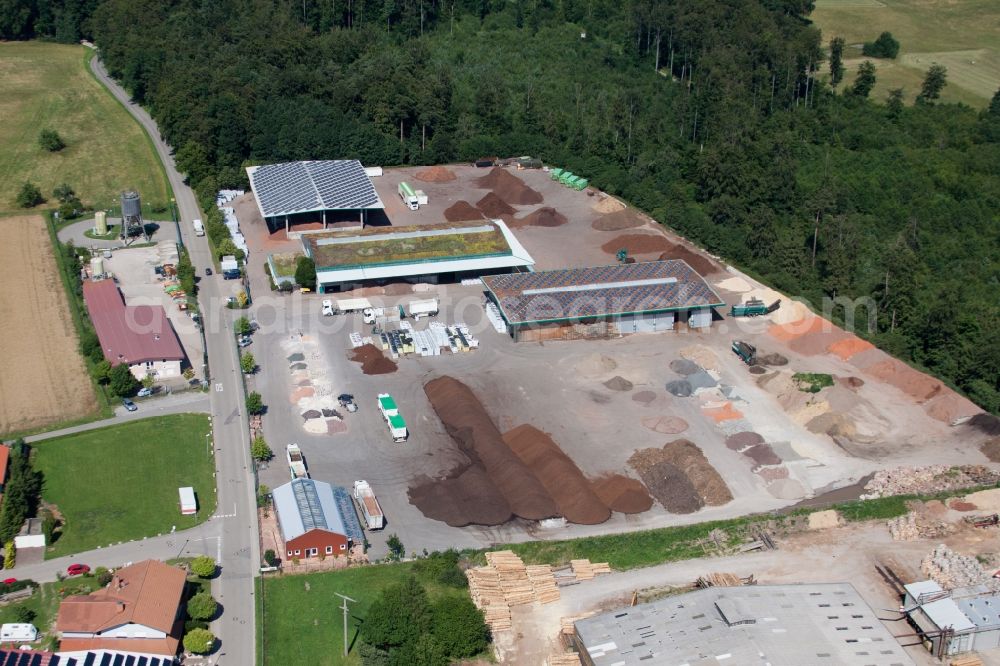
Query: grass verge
x=92, y=477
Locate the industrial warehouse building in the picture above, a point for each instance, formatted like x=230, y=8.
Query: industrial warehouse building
x=140, y=336
x=956, y=621
x=604, y=301
x=757, y=624
x=431, y=253
x=315, y=518
x=329, y=191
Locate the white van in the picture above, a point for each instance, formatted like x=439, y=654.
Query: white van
x=199, y=228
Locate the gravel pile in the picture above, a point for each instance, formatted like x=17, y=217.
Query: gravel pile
x=680, y=387
x=618, y=383
x=683, y=366
x=927, y=480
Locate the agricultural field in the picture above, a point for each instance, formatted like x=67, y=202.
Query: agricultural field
x=49, y=86
x=157, y=455
x=959, y=35
x=44, y=379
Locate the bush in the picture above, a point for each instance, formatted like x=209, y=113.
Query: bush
x=255, y=404
x=199, y=641
x=103, y=576
x=29, y=196
x=122, y=382
x=191, y=625
x=259, y=449
x=443, y=568
x=203, y=566
x=24, y=615
x=202, y=606
x=396, y=549
x=9, y=555
x=247, y=363
x=242, y=326
x=885, y=46
x=305, y=273
x=17, y=585
x=50, y=140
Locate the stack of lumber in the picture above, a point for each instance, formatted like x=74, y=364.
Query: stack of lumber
x=568, y=622
x=517, y=589
x=585, y=569
x=719, y=580
x=543, y=583
x=563, y=659
x=487, y=595
x=966, y=660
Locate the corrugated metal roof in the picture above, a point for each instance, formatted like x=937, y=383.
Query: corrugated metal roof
x=303, y=505
x=311, y=186
x=946, y=613
x=601, y=291
x=129, y=334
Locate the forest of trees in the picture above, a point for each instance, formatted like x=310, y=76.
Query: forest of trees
x=714, y=116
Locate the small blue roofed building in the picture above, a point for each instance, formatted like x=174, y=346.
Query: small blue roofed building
x=315, y=519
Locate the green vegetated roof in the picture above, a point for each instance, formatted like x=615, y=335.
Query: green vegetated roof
x=402, y=245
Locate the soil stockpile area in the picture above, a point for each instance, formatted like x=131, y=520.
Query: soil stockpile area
x=461, y=212
x=543, y=217
x=986, y=423
x=470, y=426
x=618, y=383
x=700, y=263
x=436, y=174
x=467, y=498
x=637, y=244
x=493, y=206
x=608, y=205
x=991, y=449
x=618, y=221
x=372, y=360
x=680, y=478
x=689, y=458
x=762, y=454
x=622, y=494
x=509, y=187
x=574, y=497
x=743, y=440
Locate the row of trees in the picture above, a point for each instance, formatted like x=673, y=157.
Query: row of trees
x=22, y=492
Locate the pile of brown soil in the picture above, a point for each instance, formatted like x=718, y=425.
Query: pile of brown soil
x=509, y=187
x=468, y=497
x=372, y=360
x=757, y=369
x=672, y=488
x=465, y=419
x=666, y=425
x=911, y=382
x=743, y=440
x=618, y=221
x=462, y=211
x=773, y=473
x=959, y=505
x=986, y=423
x=699, y=262
x=436, y=174
x=948, y=406
x=574, y=497
x=689, y=458
x=493, y=206
x=637, y=244
x=991, y=449
x=543, y=217
x=762, y=454
x=853, y=383
x=772, y=359
x=622, y=494
x=618, y=383
x=645, y=397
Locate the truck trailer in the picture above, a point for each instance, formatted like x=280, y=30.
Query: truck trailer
x=426, y=308
x=382, y=315
x=370, y=509
x=393, y=419
x=408, y=196
x=296, y=462
x=353, y=304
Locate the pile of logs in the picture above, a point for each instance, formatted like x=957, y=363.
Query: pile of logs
x=487, y=595
x=543, y=583
x=563, y=659
x=585, y=569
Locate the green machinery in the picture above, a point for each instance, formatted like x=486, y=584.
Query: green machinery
x=555, y=173
x=753, y=308
x=746, y=351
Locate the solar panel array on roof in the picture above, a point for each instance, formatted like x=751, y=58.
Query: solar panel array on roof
x=299, y=187
x=576, y=293
x=345, y=504
x=19, y=658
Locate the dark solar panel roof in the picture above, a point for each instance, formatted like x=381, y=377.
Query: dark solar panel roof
x=299, y=187
x=577, y=293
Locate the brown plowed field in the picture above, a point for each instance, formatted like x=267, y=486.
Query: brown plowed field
x=44, y=380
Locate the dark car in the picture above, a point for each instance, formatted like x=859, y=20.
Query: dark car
x=129, y=405
x=208, y=271
x=77, y=569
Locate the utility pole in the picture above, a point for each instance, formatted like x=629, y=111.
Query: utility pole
x=344, y=608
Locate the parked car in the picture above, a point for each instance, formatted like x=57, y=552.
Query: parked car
x=129, y=405
x=77, y=569
x=208, y=272
x=9, y=581
x=145, y=392
x=327, y=308
x=244, y=341
x=347, y=402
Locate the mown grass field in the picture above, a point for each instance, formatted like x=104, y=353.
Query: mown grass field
x=45, y=85
x=120, y=483
x=962, y=36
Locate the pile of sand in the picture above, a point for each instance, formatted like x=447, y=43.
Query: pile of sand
x=493, y=206
x=509, y=187
x=573, y=495
x=462, y=211
x=543, y=217
x=622, y=494
x=786, y=489
x=619, y=221
x=948, y=406
x=911, y=382
x=833, y=424
x=985, y=500
x=608, y=205
x=821, y=520
x=618, y=383
x=665, y=425
x=701, y=355
x=436, y=174
x=736, y=285
x=372, y=360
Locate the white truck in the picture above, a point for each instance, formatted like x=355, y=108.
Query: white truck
x=370, y=509
x=409, y=196
x=381, y=315
x=353, y=304
x=393, y=419
x=199, y=228
x=296, y=462
x=327, y=308
x=426, y=308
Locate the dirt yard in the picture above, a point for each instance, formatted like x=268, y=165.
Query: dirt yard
x=44, y=379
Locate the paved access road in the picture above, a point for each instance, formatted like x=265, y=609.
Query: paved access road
x=239, y=540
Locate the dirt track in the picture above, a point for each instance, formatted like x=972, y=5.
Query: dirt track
x=44, y=379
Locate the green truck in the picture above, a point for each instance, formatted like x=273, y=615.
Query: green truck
x=746, y=351
x=753, y=308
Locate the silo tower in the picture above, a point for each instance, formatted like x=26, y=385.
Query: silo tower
x=132, y=224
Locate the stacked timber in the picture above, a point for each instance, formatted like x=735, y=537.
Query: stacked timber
x=568, y=624
x=719, y=580
x=966, y=660
x=543, y=583
x=564, y=659
x=513, y=577
x=488, y=596
x=586, y=570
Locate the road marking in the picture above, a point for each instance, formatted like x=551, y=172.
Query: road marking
x=218, y=387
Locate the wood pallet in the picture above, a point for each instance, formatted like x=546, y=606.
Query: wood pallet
x=586, y=570
x=966, y=660
x=563, y=659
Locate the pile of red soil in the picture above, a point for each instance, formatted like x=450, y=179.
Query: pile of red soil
x=626, y=218
x=699, y=262
x=372, y=360
x=509, y=187
x=762, y=454
x=467, y=497
x=493, y=206
x=465, y=419
x=622, y=494
x=569, y=488
x=948, y=406
x=436, y=174
x=853, y=383
x=911, y=382
x=543, y=217
x=461, y=212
